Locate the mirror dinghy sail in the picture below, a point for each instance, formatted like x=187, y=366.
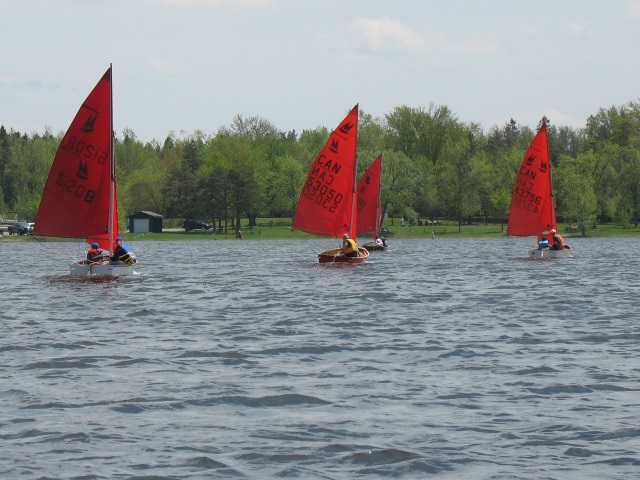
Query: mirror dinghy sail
x=327, y=203
x=532, y=209
x=80, y=199
x=369, y=205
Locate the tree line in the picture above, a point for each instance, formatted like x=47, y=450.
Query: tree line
x=433, y=166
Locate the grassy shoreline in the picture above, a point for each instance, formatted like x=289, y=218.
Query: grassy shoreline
x=279, y=232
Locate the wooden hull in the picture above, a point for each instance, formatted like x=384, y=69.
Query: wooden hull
x=372, y=247
x=101, y=269
x=548, y=253
x=336, y=256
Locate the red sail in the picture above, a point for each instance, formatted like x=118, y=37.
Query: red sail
x=532, y=210
x=327, y=201
x=368, y=191
x=79, y=197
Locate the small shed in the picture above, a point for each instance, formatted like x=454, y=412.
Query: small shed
x=145, y=222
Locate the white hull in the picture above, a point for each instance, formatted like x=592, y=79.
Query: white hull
x=547, y=253
x=102, y=269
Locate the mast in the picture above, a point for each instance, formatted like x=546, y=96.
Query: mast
x=112, y=180
x=378, y=203
x=353, y=230
x=553, y=221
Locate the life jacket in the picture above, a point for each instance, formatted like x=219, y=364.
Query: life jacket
x=349, y=246
x=95, y=255
x=558, y=241
x=127, y=257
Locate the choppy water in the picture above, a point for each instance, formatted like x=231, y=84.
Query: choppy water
x=438, y=359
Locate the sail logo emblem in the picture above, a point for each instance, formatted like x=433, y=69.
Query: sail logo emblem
x=334, y=146
x=529, y=160
x=83, y=171
x=89, y=124
x=346, y=128
x=543, y=167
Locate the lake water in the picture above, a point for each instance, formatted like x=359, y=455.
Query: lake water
x=247, y=359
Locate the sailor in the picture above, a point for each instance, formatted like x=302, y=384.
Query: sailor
x=123, y=254
x=558, y=241
x=95, y=254
x=543, y=243
x=349, y=246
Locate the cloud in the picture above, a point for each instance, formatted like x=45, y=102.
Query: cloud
x=210, y=3
x=580, y=29
x=164, y=67
x=476, y=46
x=385, y=35
x=8, y=82
x=14, y=84
x=558, y=118
x=634, y=9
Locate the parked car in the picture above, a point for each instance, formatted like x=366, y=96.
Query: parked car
x=18, y=228
x=189, y=225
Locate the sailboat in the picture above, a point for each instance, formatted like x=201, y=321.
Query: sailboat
x=532, y=209
x=79, y=198
x=327, y=203
x=369, y=205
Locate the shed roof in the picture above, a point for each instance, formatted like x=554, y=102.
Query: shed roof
x=147, y=213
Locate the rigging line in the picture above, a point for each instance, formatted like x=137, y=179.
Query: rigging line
x=316, y=242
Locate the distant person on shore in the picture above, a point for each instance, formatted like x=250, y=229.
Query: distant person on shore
x=95, y=254
x=123, y=254
x=239, y=235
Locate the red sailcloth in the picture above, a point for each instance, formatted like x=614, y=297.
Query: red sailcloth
x=369, y=206
x=532, y=210
x=327, y=201
x=79, y=198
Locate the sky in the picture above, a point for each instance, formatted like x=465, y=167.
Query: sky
x=186, y=66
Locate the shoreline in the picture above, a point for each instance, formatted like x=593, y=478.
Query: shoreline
x=443, y=232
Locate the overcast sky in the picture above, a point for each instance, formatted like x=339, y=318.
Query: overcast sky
x=186, y=65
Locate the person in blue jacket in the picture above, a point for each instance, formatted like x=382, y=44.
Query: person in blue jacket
x=543, y=243
x=123, y=254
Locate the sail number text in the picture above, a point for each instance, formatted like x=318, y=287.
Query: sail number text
x=75, y=188
x=523, y=198
x=86, y=150
x=317, y=188
x=321, y=194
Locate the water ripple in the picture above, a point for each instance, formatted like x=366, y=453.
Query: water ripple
x=463, y=359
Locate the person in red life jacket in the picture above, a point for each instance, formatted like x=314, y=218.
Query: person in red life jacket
x=349, y=246
x=123, y=254
x=95, y=254
x=558, y=241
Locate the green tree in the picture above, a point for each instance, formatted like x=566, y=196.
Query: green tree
x=574, y=193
